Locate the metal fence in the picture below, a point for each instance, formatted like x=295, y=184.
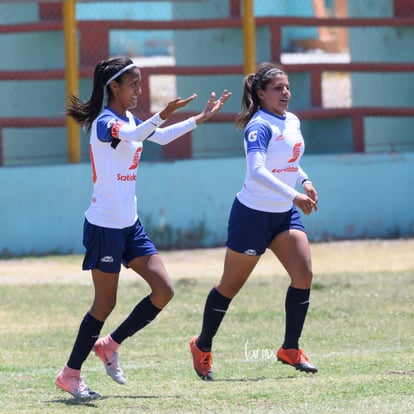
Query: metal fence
x=350, y=64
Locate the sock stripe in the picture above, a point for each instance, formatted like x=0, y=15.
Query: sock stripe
x=220, y=310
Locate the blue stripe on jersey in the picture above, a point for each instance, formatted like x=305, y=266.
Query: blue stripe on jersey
x=105, y=121
x=257, y=136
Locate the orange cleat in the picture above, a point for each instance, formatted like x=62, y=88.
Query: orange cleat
x=296, y=358
x=203, y=361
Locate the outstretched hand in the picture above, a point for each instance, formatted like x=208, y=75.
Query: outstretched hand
x=212, y=106
x=175, y=104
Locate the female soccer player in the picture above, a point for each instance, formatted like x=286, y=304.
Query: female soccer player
x=113, y=233
x=264, y=215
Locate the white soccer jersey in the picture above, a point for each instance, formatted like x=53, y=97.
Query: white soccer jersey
x=115, y=151
x=114, y=170
x=280, y=144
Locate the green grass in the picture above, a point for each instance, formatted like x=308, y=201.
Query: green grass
x=359, y=333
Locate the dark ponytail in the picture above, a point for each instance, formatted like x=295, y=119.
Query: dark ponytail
x=251, y=83
x=85, y=112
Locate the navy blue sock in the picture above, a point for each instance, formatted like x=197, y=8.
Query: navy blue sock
x=143, y=314
x=214, y=312
x=88, y=333
x=296, y=307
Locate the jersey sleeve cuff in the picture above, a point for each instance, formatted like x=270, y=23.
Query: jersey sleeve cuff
x=157, y=120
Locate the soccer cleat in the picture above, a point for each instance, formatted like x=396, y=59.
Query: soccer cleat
x=296, y=358
x=110, y=360
x=202, y=361
x=72, y=383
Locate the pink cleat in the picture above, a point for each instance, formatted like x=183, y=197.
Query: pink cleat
x=105, y=349
x=69, y=380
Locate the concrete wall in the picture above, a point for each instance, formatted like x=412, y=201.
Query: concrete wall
x=186, y=203
x=385, y=44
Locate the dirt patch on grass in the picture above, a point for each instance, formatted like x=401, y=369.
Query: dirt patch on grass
x=334, y=257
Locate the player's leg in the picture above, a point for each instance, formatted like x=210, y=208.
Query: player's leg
x=105, y=288
x=153, y=271
x=105, y=284
x=237, y=269
x=292, y=249
x=245, y=244
x=104, y=247
x=69, y=378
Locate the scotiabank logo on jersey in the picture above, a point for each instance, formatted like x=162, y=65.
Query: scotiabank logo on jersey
x=126, y=177
x=133, y=166
x=289, y=169
x=135, y=160
x=296, y=152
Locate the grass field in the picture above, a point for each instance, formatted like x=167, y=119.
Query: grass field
x=359, y=333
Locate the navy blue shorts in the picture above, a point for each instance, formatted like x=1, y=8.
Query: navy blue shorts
x=251, y=231
x=107, y=249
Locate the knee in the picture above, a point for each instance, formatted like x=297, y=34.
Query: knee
x=228, y=290
x=101, y=310
x=168, y=294
x=161, y=297
x=302, y=281
x=308, y=277
x=308, y=280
